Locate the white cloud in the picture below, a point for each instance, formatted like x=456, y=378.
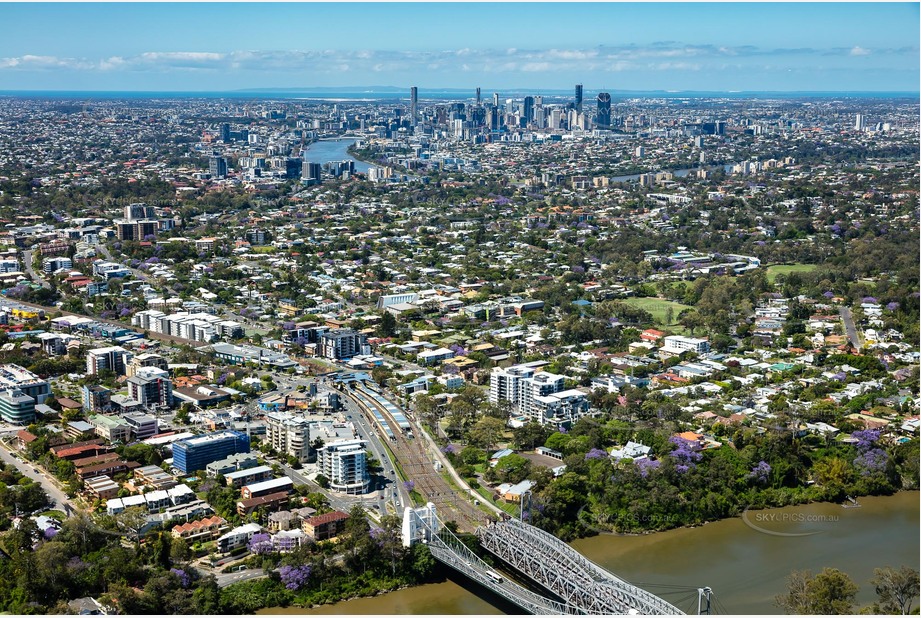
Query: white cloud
x=660, y=56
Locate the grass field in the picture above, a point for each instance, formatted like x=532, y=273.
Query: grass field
x=786, y=269
x=658, y=307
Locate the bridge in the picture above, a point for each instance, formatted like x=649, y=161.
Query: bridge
x=583, y=586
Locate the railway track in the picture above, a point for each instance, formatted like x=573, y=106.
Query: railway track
x=419, y=468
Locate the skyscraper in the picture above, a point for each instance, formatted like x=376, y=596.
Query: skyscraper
x=578, y=104
x=311, y=173
x=527, y=110
x=495, y=99
x=225, y=132
x=603, y=118
x=217, y=166
x=477, y=96
x=860, y=123
x=413, y=104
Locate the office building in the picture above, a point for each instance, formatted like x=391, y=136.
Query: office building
x=14, y=376
x=225, y=132
x=477, y=96
x=142, y=426
x=311, y=173
x=345, y=464
x=293, y=167
x=413, y=105
x=578, y=102
x=603, y=116
x=196, y=453
x=16, y=407
x=232, y=463
x=111, y=428
x=527, y=110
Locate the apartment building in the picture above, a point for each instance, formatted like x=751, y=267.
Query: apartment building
x=345, y=464
x=113, y=358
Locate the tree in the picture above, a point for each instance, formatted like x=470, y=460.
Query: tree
x=896, y=590
x=530, y=435
x=131, y=520
x=388, y=325
x=486, y=432
x=427, y=409
x=512, y=468
x=180, y=552
x=831, y=592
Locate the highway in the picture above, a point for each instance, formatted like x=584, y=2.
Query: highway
x=849, y=327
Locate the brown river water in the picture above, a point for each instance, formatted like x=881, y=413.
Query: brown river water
x=744, y=560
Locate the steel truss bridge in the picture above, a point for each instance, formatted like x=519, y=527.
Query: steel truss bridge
x=585, y=587
x=559, y=568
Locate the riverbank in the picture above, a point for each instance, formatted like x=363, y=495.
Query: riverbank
x=745, y=566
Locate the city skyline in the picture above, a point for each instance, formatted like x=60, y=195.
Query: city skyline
x=606, y=46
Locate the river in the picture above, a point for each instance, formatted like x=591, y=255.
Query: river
x=745, y=567
x=335, y=150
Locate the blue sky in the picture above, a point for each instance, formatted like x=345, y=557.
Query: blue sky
x=614, y=46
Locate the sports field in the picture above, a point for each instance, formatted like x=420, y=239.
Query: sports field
x=658, y=307
x=786, y=269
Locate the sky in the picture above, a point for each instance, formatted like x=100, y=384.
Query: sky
x=226, y=46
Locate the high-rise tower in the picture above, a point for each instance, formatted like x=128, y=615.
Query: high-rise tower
x=578, y=104
x=603, y=117
x=413, y=104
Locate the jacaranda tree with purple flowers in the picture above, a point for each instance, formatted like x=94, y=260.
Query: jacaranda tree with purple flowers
x=294, y=577
x=760, y=473
x=260, y=544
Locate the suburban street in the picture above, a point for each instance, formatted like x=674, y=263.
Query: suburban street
x=60, y=499
x=29, y=269
x=849, y=327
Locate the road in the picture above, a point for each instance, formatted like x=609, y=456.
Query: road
x=849, y=327
x=27, y=266
x=61, y=501
x=226, y=579
x=139, y=274
x=385, y=488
